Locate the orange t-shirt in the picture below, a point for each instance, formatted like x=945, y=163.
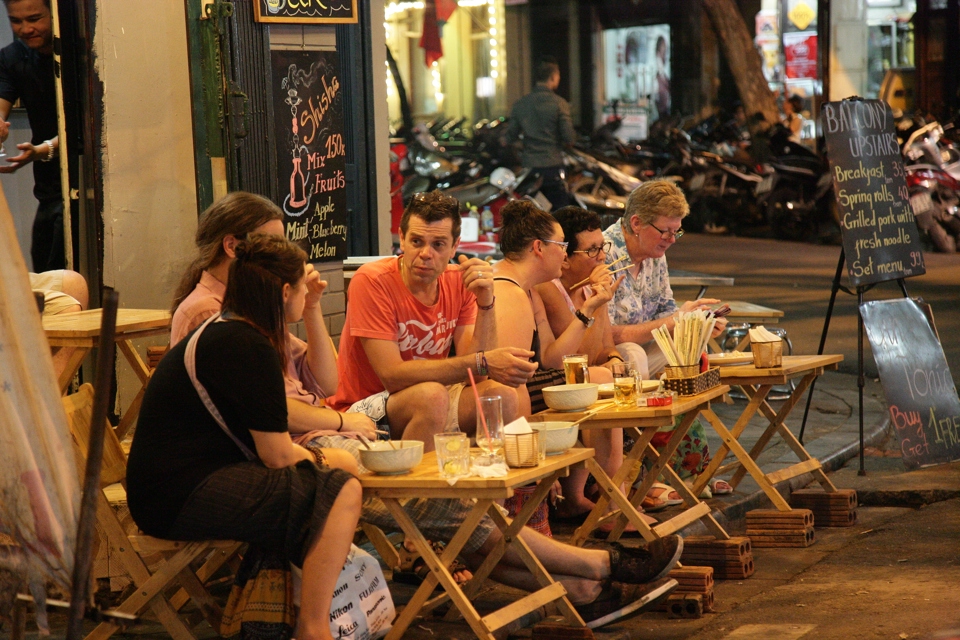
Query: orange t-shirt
x=382, y=307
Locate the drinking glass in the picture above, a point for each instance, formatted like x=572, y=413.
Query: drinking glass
x=575, y=368
x=625, y=383
x=491, y=438
x=453, y=454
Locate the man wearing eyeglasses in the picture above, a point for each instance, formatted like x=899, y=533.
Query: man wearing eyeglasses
x=651, y=224
x=585, y=263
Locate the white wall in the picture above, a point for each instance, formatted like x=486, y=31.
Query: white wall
x=150, y=208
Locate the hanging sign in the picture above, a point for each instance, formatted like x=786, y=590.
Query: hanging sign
x=880, y=237
x=917, y=384
x=316, y=11
x=311, y=162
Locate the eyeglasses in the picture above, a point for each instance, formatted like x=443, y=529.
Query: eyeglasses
x=594, y=251
x=676, y=235
x=562, y=245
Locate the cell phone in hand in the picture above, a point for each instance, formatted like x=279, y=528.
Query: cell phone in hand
x=722, y=311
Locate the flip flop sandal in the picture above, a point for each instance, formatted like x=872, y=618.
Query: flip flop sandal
x=618, y=600
x=416, y=571
x=720, y=487
x=658, y=498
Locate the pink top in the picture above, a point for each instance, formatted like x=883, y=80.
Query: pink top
x=206, y=299
x=382, y=307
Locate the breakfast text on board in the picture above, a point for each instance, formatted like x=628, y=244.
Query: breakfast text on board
x=311, y=158
x=880, y=237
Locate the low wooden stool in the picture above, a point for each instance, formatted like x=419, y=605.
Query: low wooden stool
x=830, y=508
x=731, y=559
x=774, y=528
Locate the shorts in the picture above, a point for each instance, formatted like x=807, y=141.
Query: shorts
x=375, y=407
x=50, y=284
x=280, y=509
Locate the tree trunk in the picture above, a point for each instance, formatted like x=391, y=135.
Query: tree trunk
x=743, y=58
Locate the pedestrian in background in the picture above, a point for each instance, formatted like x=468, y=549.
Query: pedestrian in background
x=542, y=118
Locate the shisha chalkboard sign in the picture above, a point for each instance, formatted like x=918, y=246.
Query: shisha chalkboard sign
x=311, y=162
x=917, y=384
x=880, y=237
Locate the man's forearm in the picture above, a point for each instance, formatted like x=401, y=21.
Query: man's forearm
x=484, y=332
x=446, y=371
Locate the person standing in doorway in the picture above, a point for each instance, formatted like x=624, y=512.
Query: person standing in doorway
x=543, y=119
x=26, y=73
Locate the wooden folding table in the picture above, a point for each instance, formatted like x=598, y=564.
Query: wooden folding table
x=81, y=330
x=424, y=481
x=644, y=423
x=756, y=384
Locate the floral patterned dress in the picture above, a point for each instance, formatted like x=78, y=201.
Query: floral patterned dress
x=646, y=297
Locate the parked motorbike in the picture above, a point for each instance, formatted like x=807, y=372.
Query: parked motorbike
x=933, y=181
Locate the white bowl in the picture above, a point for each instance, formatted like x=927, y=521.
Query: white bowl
x=560, y=435
x=571, y=397
x=384, y=459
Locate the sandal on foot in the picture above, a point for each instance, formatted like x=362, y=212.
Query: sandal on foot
x=638, y=565
x=659, y=497
x=720, y=487
x=416, y=571
x=618, y=600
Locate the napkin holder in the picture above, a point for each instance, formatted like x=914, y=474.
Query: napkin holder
x=767, y=354
x=521, y=449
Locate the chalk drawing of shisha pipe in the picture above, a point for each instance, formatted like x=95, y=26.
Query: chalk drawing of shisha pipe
x=295, y=203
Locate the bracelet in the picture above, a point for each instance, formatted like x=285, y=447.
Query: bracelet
x=617, y=357
x=50, y=151
x=340, y=415
x=489, y=306
x=481, y=364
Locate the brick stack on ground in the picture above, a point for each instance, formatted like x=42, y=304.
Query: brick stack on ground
x=830, y=508
x=694, y=596
x=773, y=528
x=731, y=559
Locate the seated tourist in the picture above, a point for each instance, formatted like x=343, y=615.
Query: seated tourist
x=651, y=224
x=585, y=260
x=406, y=313
x=311, y=370
x=192, y=477
x=534, y=251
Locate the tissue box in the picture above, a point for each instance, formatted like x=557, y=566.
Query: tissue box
x=767, y=354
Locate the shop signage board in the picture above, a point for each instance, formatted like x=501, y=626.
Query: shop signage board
x=311, y=164
x=917, y=384
x=880, y=237
x=305, y=11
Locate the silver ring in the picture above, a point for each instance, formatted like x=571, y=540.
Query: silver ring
x=480, y=274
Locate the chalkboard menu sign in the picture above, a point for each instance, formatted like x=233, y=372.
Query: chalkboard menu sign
x=330, y=11
x=308, y=120
x=921, y=397
x=880, y=237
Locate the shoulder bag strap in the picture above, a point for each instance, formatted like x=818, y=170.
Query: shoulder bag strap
x=190, y=361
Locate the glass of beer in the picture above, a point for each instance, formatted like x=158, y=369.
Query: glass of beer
x=625, y=383
x=575, y=368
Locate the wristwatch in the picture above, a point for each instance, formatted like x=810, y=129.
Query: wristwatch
x=587, y=322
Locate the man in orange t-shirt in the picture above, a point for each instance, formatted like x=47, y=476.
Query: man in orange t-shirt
x=404, y=315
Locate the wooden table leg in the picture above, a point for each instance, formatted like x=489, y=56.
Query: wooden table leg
x=70, y=370
x=720, y=454
x=438, y=569
x=130, y=414
x=136, y=362
x=747, y=462
x=628, y=471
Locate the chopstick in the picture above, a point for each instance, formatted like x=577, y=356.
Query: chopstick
x=587, y=280
x=591, y=413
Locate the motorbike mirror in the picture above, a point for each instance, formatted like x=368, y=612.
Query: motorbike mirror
x=503, y=178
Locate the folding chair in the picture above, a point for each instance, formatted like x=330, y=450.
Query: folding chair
x=173, y=572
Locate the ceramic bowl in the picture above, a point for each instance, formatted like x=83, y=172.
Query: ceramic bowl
x=560, y=436
x=571, y=397
x=383, y=458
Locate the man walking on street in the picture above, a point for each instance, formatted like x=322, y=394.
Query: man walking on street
x=543, y=119
x=26, y=73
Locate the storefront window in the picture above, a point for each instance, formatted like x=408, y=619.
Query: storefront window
x=468, y=79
